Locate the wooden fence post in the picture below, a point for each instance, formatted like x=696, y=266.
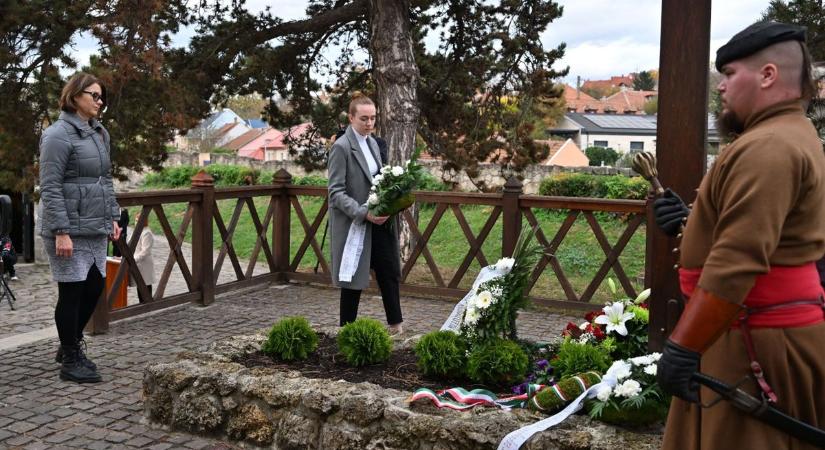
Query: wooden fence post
x=281, y=220
x=203, y=276
x=511, y=212
x=99, y=322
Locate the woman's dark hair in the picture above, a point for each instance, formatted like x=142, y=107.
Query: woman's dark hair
x=78, y=83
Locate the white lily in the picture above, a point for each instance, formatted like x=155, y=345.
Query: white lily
x=642, y=296
x=615, y=317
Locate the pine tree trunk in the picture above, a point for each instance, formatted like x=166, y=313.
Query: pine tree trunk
x=396, y=79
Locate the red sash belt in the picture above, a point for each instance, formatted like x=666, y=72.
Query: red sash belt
x=785, y=297
x=782, y=285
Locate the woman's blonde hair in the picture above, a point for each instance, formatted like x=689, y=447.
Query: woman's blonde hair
x=358, y=99
x=78, y=83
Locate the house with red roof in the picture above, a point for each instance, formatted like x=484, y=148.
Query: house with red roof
x=271, y=144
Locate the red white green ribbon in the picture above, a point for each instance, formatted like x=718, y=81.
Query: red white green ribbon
x=461, y=399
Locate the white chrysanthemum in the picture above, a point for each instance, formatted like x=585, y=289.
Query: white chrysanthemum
x=604, y=393
x=386, y=169
x=655, y=356
x=630, y=388
x=372, y=200
x=641, y=360
x=615, y=317
x=397, y=171
x=621, y=369
x=651, y=369
x=484, y=299
x=377, y=179
x=505, y=265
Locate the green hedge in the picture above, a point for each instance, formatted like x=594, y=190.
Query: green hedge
x=595, y=186
x=233, y=175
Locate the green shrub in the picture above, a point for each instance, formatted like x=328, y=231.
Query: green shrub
x=290, y=339
x=441, y=354
x=179, y=176
x=496, y=362
x=574, y=357
x=598, y=156
x=595, y=186
x=364, y=342
x=232, y=175
x=431, y=183
x=310, y=180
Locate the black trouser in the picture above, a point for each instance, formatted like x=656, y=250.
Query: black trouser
x=76, y=302
x=387, y=266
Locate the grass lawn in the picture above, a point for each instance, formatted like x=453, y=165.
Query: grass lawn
x=579, y=254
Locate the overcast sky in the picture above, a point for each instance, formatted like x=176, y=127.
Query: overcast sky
x=604, y=37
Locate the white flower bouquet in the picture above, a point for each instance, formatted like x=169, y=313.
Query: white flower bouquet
x=636, y=399
x=392, y=187
x=492, y=309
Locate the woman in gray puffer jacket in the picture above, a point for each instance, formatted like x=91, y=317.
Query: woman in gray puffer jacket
x=79, y=213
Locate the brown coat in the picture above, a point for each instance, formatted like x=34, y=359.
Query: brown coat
x=761, y=204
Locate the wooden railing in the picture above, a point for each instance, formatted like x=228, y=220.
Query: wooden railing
x=275, y=262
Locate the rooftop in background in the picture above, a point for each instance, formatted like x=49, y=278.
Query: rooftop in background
x=627, y=124
x=257, y=123
x=626, y=101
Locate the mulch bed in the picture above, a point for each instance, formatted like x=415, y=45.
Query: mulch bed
x=399, y=372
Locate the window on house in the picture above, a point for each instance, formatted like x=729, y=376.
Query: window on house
x=636, y=147
x=602, y=144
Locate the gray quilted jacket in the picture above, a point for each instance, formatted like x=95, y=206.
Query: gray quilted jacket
x=76, y=178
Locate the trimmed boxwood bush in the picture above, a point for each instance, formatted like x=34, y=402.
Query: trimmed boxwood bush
x=595, y=186
x=574, y=357
x=497, y=362
x=442, y=354
x=290, y=339
x=364, y=342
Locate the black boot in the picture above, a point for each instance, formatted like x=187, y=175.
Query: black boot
x=73, y=369
x=81, y=346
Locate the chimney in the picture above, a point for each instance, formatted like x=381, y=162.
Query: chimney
x=578, y=83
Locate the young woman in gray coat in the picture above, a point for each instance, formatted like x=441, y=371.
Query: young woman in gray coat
x=354, y=160
x=79, y=213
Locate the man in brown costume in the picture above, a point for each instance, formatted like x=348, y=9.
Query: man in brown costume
x=755, y=305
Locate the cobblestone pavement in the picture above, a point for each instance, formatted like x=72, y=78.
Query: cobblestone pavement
x=38, y=411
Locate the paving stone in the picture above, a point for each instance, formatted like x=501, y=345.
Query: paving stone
x=5, y=434
x=21, y=427
x=161, y=446
x=99, y=445
x=18, y=441
x=116, y=436
x=139, y=441
x=58, y=438
x=38, y=446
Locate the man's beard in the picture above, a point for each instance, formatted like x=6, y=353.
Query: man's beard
x=729, y=125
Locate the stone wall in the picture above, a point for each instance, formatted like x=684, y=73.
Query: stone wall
x=206, y=393
x=490, y=173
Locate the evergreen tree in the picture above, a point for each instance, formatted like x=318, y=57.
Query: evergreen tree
x=644, y=81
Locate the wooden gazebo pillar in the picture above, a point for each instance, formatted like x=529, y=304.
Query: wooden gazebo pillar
x=681, y=139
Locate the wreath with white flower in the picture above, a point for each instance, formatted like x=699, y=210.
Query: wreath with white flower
x=636, y=399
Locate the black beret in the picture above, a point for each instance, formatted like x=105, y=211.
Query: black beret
x=755, y=38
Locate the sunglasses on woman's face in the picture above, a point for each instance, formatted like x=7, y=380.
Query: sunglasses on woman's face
x=95, y=96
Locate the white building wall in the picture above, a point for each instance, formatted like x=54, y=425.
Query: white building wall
x=618, y=142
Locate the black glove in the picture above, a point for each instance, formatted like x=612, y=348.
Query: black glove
x=676, y=365
x=670, y=212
